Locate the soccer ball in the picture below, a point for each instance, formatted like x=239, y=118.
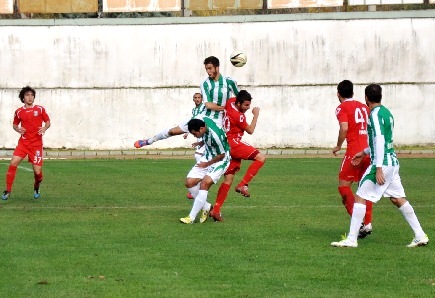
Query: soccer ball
x=238, y=58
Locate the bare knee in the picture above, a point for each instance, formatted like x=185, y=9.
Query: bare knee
x=260, y=157
x=398, y=202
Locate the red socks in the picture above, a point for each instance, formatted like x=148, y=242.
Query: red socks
x=251, y=172
x=38, y=180
x=221, y=197
x=10, y=177
x=348, y=198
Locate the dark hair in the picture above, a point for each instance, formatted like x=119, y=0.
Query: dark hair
x=24, y=91
x=211, y=60
x=197, y=93
x=345, y=89
x=374, y=93
x=243, y=96
x=195, y=124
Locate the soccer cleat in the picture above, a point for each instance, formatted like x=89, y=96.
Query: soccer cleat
x=204, y=215
x=6, y=194
x=243, y=190
x=364, y=231
x=345, y=243
x=217, y=217
x=189, y=196
x=186, y=220
x=36, y=194
x=141, y=143
x=419, y=242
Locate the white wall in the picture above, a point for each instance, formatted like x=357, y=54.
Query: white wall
x=107, y=83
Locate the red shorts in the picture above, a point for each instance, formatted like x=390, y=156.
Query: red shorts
x=34, y=153
x=349, y=172
x=240, y=151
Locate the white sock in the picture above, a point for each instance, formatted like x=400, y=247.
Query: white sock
x=200, y=200
x=194, y=190
x=411, y=218
x=359, y=210
x=206, y=206
x=164, y=134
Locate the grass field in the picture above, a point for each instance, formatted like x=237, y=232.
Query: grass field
x=109, y=228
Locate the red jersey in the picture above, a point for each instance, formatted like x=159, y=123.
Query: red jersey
x=356, y=115
x=31, y=119
x=234, y=121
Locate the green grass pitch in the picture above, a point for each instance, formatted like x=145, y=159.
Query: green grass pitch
x=109, y=228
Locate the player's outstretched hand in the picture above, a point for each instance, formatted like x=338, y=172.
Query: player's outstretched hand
x=256, y=111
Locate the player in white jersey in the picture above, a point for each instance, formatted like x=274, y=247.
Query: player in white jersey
x=216, y=90
x=209, y=169
x=197, y=112
x=382, y=176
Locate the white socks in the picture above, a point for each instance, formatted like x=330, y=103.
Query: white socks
x=198, y=204
x=411, y=218
x=359, y=210
x=164, y=134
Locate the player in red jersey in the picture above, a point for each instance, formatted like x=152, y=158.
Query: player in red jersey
x=28, y=122
x=352, y=116
x=235, y=126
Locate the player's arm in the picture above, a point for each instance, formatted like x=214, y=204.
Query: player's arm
x=42, y=130
x=342, y=133
x=251, y=127
x=215, y=159
x=19, y=129
x=214, y=107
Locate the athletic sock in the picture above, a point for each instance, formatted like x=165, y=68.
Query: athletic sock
x=369, y=210
x=199, y=202
x=194, y=190
x=348, y=198
x=38, y=180
x=251, y=172
x=10, y=177
x=411, y=218
x=221, y=197
x=358, y=213
x=164, y=134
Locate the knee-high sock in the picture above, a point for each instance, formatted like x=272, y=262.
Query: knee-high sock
x=348, y=198
x=164, y=134
x=251, y=172
x=10, y=177
x=368, y=216
x=221, y=197
x=411, y=218
x=359, y=210
x=194, y=190
x=38, y=179
x=199, y=202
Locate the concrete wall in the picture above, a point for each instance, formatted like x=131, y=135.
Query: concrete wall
x=106, y=83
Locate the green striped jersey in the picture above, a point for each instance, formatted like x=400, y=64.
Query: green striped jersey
x=380, y=129
x=199, y=111
x=215, y=141
x=218, y=92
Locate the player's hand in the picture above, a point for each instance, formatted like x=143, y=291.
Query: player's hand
x=335, y=150
x=380, y=178
x=185, y=136
x=42, y=130
x=256, y=111
x=356, y=160
x=21, y=130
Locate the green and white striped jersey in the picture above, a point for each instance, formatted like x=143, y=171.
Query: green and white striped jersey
x=199, y=111
x=218, y=92
x=215, y=141
x=380, y=136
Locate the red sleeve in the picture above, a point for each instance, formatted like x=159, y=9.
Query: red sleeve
x=341, y=114
x=45, y=116
x=17, y=120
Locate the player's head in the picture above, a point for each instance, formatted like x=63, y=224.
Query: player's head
x=26, y=90
x=211, y=65
x=243, y=101
x=345, y=89
x=373, y=93
x=197, y=98
x=196, y=127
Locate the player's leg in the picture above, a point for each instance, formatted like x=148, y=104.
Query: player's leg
x=17, y=157
x=36, y=158
x=345, y=178
x=245, y=151
x=222, y=195
x=367, y=227
x=397, y=197
x=164, y=134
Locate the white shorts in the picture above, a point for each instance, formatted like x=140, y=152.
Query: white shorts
x=215, y=171
x=369, y=190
